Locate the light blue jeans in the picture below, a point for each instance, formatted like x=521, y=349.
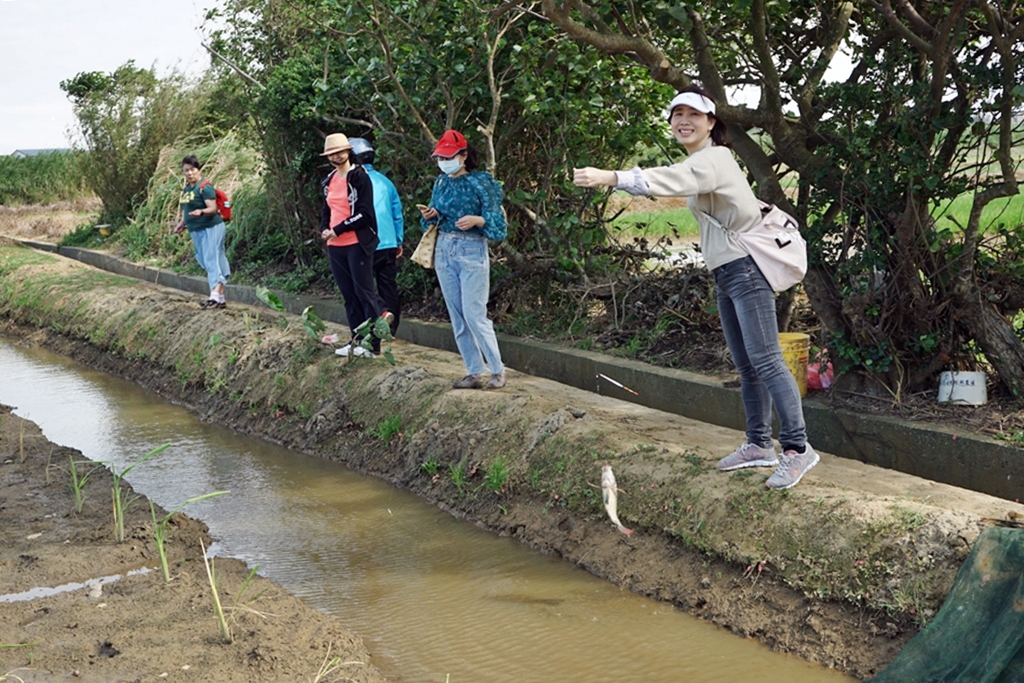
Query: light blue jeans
x=464, y=271
x=746, y=305
x=209, y=247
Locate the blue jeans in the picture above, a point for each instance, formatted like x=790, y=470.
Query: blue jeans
x=464, y=271
x=746, y=305
x=209, y=247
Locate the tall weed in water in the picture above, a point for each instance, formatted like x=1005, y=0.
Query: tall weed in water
x=160, y=528
x=122, y=500
x=224, y=621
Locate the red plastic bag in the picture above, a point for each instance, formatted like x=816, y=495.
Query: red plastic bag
x=818, y=377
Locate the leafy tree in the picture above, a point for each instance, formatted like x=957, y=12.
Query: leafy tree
x=402, y=73
x=926, y=114
x=125, y=118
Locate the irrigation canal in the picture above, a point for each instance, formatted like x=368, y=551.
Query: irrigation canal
x=431, y=595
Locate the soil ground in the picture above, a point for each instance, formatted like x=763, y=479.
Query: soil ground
x=841, y=570
x=137, y=628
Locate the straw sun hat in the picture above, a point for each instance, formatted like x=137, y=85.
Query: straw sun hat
x=335, y=142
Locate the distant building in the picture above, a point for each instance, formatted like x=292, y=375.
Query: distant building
x=23, y=153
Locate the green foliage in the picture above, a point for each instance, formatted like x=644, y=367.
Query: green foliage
x=496, y=476
x=125, y=119
x=84, y=235
x=160, y=528
x=458, y=475
x=270, y=299
x=378, y=328
x=312, y=324
x=229, y=164
x=431, y=465
x=78, y=482
x=41, y=179
x=123, y=500
x=388, y=428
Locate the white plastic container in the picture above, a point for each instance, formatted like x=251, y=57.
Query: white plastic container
x=967, y=388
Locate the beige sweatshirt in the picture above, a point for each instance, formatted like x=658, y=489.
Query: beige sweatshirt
x=711, y=181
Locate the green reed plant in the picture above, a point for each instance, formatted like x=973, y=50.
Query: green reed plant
x=122, y=499
x=496, y=476
x=330, y=665
x=431, y=465
x=224, y=621
x=78, y=481
x=458, y=474
x=160, y=528
x=388, y=428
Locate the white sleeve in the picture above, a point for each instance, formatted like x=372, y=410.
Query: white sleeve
x=632, y=181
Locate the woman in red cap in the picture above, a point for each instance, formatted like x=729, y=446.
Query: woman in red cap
x=715, y=186
x=348, y=224
x=465, y=205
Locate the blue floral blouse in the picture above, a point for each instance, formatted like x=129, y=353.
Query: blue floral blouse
x=464, y=195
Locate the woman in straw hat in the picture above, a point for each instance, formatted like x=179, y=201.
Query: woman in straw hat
x=349, y=226
x=714, y=185
x=461, y=208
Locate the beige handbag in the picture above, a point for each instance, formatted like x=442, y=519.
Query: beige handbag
x=424, y=254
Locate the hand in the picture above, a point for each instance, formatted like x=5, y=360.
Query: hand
x=327, y=234
x=196, y=214
x=594, y=177
x=468, y=222
x=428, y=212
x=179, y=228
x=398, y=254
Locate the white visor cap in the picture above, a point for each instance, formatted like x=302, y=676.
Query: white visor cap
x=690, y=99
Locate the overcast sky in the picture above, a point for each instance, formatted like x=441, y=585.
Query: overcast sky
x=43, y=42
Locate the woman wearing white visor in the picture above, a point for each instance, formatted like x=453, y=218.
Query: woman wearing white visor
x=714, y=185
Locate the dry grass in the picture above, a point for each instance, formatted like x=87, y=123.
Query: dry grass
x=47, y=223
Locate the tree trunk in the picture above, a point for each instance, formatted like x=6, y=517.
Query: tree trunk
x=996, y=337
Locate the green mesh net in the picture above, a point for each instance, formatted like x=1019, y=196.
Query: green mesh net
x=977, y=635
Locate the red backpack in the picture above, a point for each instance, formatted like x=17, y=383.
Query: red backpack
x=223, y=203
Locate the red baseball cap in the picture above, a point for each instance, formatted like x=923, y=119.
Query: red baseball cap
x=450, y=144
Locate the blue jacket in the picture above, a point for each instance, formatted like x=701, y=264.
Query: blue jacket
x=388, y=207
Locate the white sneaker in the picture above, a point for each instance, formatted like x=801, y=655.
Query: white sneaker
x=345, y=351
x=360, y=352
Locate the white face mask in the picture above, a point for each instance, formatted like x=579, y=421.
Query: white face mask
x=449, y=166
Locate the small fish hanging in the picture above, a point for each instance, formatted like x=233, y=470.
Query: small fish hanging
x=609, y=496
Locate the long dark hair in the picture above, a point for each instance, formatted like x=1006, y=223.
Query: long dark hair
x=720, y=132
x=471, y=163
x=192, y=161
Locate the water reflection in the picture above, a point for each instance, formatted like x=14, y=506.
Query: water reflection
x=430, y=594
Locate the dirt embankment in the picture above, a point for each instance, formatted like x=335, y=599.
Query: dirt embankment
x=136, y=628
x=839, y=570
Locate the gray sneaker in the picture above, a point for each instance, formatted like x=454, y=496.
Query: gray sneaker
x=496, y=381
x=749, y=455
x=793, y=468
x=469, y=382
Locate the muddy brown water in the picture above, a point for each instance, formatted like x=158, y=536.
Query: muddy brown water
x=433, y=596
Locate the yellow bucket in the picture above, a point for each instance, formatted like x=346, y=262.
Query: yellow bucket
x=795, y=349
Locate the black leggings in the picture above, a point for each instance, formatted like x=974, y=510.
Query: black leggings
x=385, y=270
x=353, y=273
